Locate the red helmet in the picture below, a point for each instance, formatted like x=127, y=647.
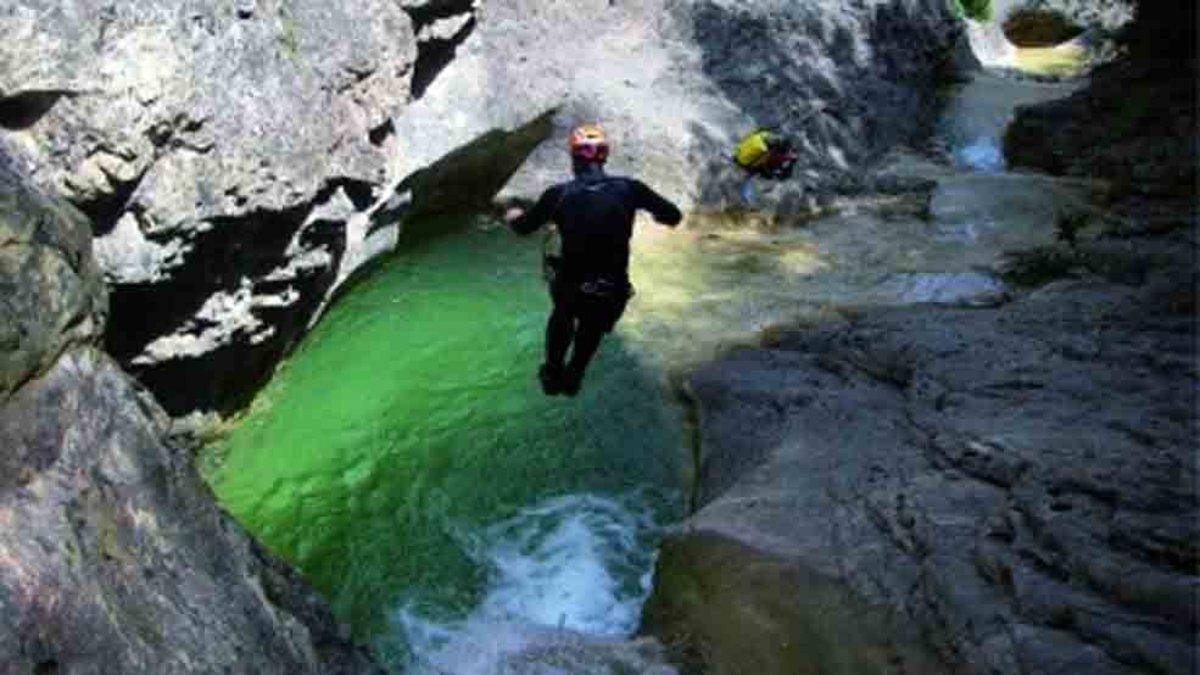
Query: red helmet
x=589, y=143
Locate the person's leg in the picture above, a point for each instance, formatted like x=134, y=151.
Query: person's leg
x=597, y=316
x=587, y=341
x=748, y=193
x=560, y=331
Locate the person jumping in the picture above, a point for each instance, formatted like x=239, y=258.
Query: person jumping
x=764, y=154
x=590, y=282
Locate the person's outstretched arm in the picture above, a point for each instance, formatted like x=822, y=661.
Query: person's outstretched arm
x=663, y=211
x=525, y=222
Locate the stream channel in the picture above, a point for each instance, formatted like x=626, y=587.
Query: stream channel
x=406, y=461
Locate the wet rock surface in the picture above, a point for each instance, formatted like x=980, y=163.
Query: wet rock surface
x=1015, y=484
x=113, y=555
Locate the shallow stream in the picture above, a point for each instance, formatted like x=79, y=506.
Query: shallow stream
x=405, y=459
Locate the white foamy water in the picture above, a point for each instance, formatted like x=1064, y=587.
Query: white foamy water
x=577, y=563
x=983, y=155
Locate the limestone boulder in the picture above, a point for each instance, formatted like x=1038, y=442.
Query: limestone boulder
x=219, y=151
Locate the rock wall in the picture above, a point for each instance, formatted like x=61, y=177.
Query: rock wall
x=678, y=82
x=1014, y=488
x=113, y=554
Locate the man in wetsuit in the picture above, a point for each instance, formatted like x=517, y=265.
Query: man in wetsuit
x=594, y=214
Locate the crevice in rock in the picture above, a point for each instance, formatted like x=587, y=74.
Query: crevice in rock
x=105, y=210
x=381, y=133
x=23, y=110
x=234, y=251
x=435, y=53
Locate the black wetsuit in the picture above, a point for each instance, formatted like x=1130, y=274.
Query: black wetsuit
x=594, y=213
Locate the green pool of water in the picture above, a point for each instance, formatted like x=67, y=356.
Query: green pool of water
x=411, y=415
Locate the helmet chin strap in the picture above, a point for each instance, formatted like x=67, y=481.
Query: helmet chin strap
x=583, y=167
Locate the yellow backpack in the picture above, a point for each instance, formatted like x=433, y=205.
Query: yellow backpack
x=752, y=152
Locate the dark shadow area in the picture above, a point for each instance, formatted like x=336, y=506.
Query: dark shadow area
x=467, y=179
x=1029, y=27
x=380, y=133
x=434, y=55
x=227, y=378
x=1135, y=123
x=23, y=110
x=248, y=246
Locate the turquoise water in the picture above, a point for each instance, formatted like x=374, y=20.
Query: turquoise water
x=390, y=453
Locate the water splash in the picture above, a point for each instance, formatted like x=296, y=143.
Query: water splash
x=983, y=155
x=580, y=563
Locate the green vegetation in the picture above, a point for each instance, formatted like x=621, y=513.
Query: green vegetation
x=980, y=10
x=289, y=34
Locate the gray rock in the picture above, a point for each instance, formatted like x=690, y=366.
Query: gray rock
x=113, y=554
x=1016, y=486
x=117, y=559
x=678, y=82
x=53, y=296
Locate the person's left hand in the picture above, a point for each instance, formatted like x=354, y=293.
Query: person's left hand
x=512, y=214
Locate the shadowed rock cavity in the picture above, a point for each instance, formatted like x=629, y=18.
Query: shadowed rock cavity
x=1039, y=28
x=1135, y=123
x=23, y=110
x=210, y=331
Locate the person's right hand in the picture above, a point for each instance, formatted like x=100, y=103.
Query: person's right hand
x=512, y=214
